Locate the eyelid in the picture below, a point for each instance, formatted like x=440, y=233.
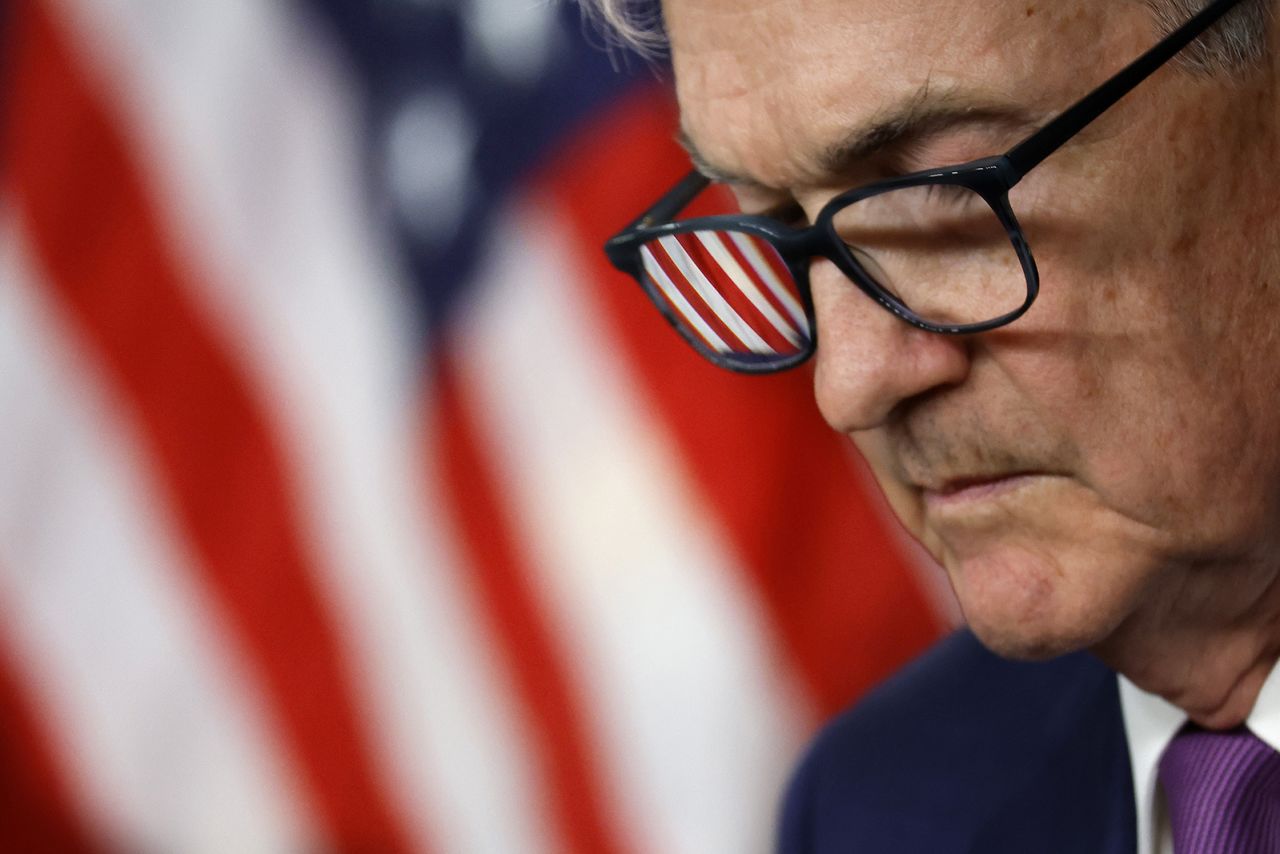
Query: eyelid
x=916, y=156
x=953, y=144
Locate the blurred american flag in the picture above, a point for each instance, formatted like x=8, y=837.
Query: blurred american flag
x=348, y=502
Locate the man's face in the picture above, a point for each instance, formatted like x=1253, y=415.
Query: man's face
x=1077, y=471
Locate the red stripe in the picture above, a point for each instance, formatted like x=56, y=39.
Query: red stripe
x=773, y=263
x=35, y=806
x=570, y=777
x=843, y=601
x=656, y=255
x=719, y=199
x=682, y=284
x=96, y=234
x=733, y=293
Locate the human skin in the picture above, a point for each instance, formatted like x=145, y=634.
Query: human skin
x=1103, y=473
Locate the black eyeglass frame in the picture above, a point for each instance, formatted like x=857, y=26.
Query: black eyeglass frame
x=991, y=178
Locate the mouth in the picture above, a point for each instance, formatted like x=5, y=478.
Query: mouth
x=962, y=491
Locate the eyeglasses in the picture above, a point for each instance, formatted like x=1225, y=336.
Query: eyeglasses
x=940, y=249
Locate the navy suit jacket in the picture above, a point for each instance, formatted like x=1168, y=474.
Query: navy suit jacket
x=964, y=751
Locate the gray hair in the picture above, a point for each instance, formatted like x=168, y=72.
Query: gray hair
x=628, y=24
x=1239, y=40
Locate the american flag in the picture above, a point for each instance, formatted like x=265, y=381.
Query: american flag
x=349, y=502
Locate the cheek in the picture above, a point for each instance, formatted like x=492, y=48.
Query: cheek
x=1194, y=468
x=1164, y=434
x=1155, y=349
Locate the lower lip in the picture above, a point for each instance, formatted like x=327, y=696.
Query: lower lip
x=976, y=492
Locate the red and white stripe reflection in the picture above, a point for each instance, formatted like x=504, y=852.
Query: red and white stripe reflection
x=731, y=289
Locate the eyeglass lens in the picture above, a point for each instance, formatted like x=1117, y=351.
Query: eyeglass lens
x=939, y=249
x=731, y=291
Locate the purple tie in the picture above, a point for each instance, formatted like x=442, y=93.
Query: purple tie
x=1223, y=792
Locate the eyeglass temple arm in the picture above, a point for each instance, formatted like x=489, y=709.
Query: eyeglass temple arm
x=621, y=248
x=1027, y=154
x=673, y=201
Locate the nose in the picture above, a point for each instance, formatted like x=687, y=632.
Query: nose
x=868, y=360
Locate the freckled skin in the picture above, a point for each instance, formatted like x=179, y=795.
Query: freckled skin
x=1143, y=386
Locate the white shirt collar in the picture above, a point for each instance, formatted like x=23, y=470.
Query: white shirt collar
x=1151, y=722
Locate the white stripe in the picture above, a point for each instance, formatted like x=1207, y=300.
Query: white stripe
x=162, y=735
x=249, y=131
x=677, y=299
x=715, y=245
x=761, y=265
x=694, y=275
x=695, y=719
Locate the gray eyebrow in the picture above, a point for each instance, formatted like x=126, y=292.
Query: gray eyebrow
x=922, y=114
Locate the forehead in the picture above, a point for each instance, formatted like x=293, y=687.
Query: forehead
x=766, y=87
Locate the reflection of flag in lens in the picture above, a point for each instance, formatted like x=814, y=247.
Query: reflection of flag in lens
x=348, y=500
x=732, y=289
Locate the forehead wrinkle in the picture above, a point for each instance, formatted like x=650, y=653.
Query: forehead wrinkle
x=776, y=103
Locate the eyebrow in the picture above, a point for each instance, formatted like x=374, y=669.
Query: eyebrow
x=919, y=116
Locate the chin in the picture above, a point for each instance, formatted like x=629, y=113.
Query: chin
x=1036, y=644
x=1024, y=607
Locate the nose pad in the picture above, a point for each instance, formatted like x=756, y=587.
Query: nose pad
x=868, y=360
